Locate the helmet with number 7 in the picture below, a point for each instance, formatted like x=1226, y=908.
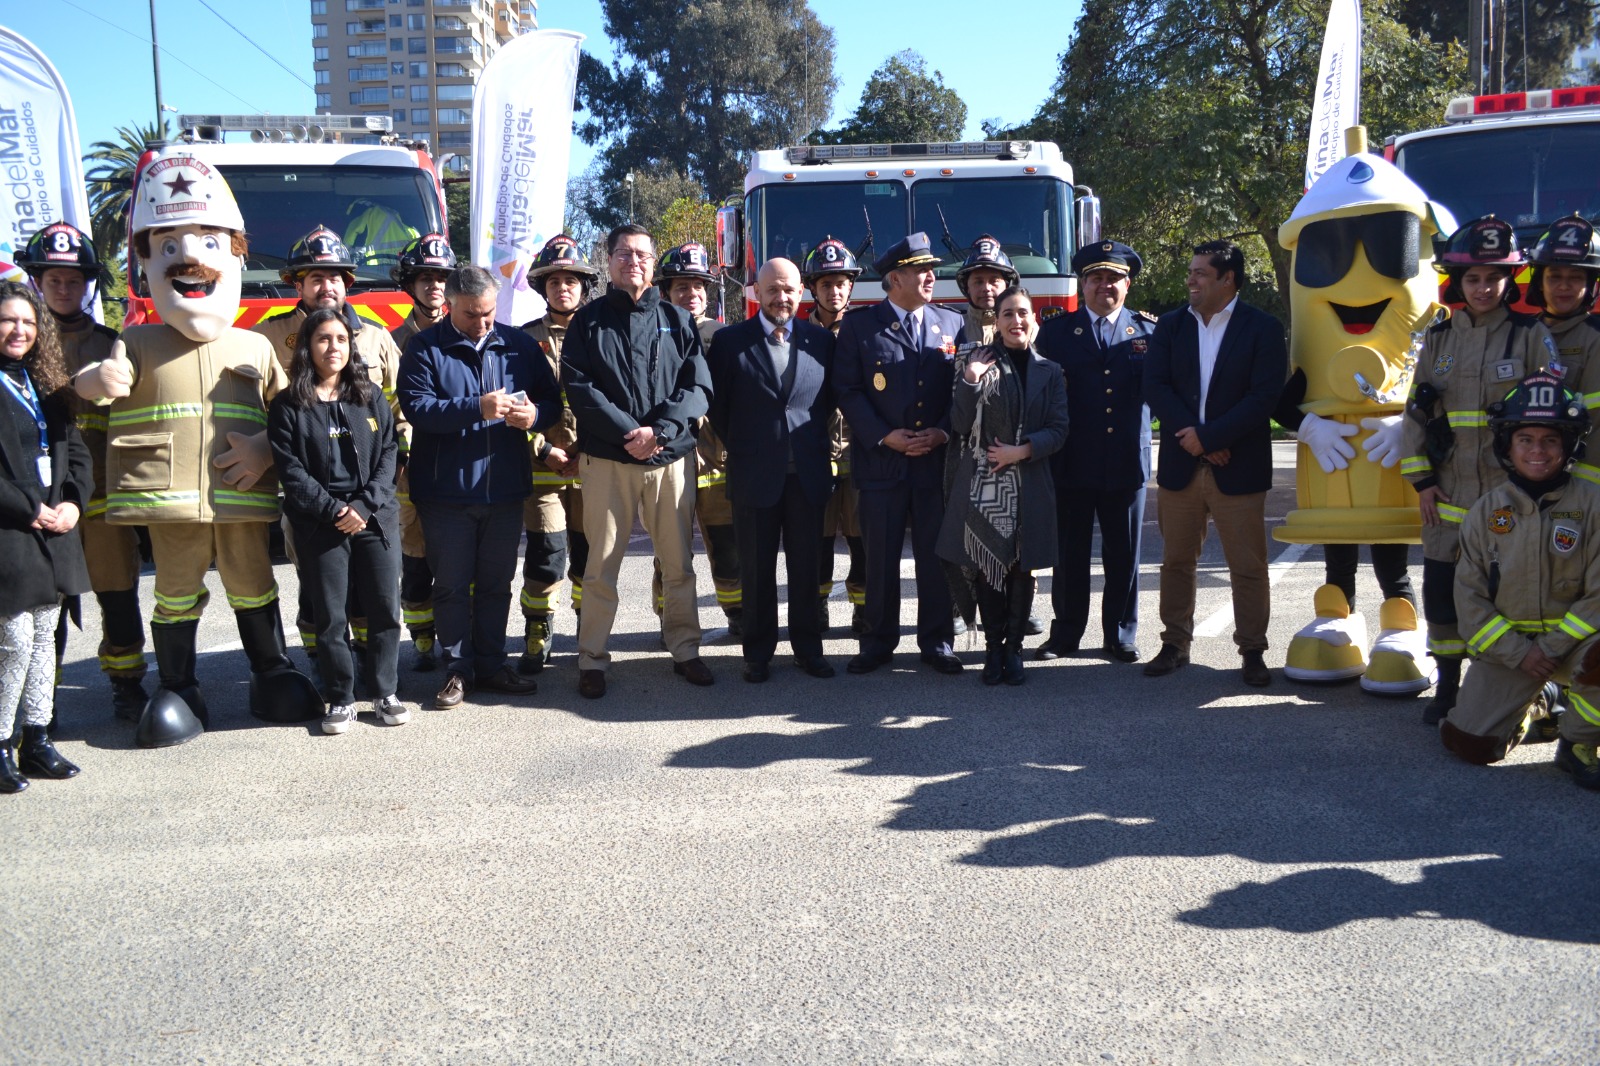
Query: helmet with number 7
x=1570, y=241
x=1540, y=399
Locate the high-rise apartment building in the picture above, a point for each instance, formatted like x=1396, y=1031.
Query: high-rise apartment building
x=414, y=60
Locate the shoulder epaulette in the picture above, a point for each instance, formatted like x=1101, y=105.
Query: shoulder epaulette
x=1441, y=326
x=1147, y=316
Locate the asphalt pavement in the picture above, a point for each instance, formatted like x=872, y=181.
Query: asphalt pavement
x=904, y=867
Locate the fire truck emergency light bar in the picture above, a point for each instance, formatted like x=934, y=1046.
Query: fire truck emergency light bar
x=281, y=127
x=827, y=153
x=1471, y=108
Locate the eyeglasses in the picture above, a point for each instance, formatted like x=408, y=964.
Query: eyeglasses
x=1327, y=249
x=629, y=255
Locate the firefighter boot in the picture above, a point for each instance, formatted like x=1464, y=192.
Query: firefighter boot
x=1579, y=760
x=427, y=651
x=735, y=623
x=128, y=698
x=537, y=639
x=278, y=692
x=1444, y=694
x=39, y=757
x=176, y=713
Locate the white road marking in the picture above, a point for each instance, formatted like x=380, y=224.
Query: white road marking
x=1218, y=621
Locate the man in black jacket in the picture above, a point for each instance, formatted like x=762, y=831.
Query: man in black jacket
x=636, y=381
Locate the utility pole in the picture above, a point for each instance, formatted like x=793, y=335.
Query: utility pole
x=155, y=63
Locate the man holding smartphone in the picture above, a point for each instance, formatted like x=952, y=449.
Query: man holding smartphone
x=472, y=391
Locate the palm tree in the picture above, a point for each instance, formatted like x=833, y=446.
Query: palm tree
x=110, y=183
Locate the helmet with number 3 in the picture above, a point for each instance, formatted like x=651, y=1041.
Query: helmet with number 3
x=1570, y=241
x=1485, y=241
x=1540, y=399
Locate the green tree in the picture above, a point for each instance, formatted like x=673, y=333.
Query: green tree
x=458, y=216
x=1544, y=32
x=110, y=183
x=903, y=101
x=1190, y=120
x=697, y=87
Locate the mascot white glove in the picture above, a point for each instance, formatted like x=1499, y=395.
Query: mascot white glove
x=1384, y=444
x=1326, y=440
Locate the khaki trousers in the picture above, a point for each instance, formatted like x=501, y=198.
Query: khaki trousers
x=1493, y=698
x=184, y=552
x=1241, y=525
x=663, y=497
x=112, y=554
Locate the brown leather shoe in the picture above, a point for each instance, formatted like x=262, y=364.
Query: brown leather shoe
x=1168, y=659
x=591, y=684
x=1255, y=670
x=455, y=690
x=508, y=681
x=694, y=671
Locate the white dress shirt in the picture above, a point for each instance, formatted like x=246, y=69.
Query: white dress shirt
x=1210, y=343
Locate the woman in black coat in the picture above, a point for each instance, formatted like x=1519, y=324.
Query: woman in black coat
x=1009, y=414
x=45, y=482
x=333, y=442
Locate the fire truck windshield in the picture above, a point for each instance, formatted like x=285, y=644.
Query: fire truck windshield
x=1028, y=215
x=375, y=210
x=1528, y=175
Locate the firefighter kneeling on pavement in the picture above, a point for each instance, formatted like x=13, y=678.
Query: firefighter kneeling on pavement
x=553, y=515
x=1528, y=586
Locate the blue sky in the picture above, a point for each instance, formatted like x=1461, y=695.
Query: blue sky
x=101, y=48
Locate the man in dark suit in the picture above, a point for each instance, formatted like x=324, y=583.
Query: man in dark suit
x=893, y=373
x=1213, y=377
x=771, y=402
x=1101, y=473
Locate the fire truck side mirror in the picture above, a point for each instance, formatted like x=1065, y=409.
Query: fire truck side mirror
x=730, y=238
x=1085, y=215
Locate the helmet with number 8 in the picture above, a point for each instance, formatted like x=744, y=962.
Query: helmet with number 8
x=1570, y=241
x=832, y=256
x=1540, y=399
x=60, y=244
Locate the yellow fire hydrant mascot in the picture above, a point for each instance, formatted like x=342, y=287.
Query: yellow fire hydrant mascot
x=1362, y=292
x=187, y=450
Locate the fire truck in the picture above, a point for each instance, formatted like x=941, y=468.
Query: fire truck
x=293, y=175
x=872, y=195
x=1528, y=158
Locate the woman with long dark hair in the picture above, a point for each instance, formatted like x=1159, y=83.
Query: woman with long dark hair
x=1009, y=414
x=45, y=483
x=333, y=440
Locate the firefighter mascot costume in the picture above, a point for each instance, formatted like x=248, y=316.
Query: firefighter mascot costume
x=187, y=447
x=1360, y=294
x=1528, y=585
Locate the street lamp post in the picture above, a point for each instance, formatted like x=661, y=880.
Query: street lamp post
x=629, y=180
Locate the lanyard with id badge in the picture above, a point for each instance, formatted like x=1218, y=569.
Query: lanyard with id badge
x=30, y=403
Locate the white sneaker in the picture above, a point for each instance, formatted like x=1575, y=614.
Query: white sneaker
x=339, y=718
x=391, y=710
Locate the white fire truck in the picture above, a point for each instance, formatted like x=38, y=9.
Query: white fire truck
x=294, y=175
x=1021, y=192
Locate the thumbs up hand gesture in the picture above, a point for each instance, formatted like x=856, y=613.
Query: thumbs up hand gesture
x=109, y=379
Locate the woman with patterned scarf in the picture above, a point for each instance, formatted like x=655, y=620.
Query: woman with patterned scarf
x=1008, y=414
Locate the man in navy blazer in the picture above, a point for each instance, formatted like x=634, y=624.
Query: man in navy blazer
x=893, y=372
x=771, y=402
x=1101, y=473
x=1212, y=378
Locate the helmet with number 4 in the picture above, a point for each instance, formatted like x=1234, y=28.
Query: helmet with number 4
x=1540, y=399
x=1485, y=241
x=60, y=244
x=428, y=252
x=1569, y=241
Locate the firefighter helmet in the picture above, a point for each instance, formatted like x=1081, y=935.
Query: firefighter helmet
x=1485, y=241
x=431, y=251
x=59, y=245
x=1540, y=399
x=321, y=249
x=684, y=261
x=560, y=255
x=176, y=189
x=985, y=254
x=1569, y=241
x=832, y=256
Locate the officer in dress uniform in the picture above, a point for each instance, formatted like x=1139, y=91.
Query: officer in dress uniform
x=424, y=266
x=685, y=277
x=553, y=515
x=1101, y=473
x=61, y=261
x=830, y=274
x=894, y=373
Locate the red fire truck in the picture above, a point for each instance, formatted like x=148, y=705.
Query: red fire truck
x=294, y=175
x=1021, y=192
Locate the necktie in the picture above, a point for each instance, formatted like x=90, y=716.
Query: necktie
x=779, y=335
x=1105, y=333
x=778, y=349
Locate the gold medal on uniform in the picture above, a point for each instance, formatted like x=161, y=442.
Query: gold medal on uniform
x=880, y=382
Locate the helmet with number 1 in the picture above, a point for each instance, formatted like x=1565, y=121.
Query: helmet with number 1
x=60, y=244
x=428, y=252
x=321, y=249
x=685, y=261
x=1570, y=241
x=1540, y=399
x=832, y=256
x=1485, y=241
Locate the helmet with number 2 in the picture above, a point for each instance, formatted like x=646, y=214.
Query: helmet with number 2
x=1540, y=399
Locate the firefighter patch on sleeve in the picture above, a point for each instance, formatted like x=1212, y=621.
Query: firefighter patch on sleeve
x=1564, y=539
x=1443, y=363
x=1502, y=521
